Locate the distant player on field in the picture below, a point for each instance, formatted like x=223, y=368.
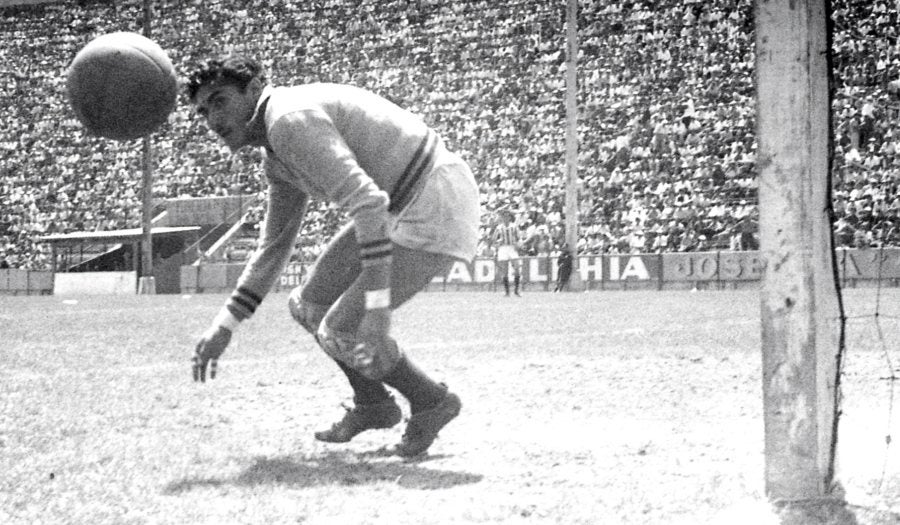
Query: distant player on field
x=413, y=208
x=507, y=237
x=564, y=268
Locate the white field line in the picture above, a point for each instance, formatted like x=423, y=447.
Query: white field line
x=529, y=339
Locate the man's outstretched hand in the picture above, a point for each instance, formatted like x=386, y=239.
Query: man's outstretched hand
x=208, y=351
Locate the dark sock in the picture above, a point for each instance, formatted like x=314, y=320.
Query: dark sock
x=365, y=391
x=419, y=389
x=506, y=285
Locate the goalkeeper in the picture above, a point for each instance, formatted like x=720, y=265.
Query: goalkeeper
x=413, y=208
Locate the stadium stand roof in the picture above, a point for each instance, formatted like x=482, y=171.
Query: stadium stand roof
x=112, y=236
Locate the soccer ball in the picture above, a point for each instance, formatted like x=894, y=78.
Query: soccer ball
x=122, y=86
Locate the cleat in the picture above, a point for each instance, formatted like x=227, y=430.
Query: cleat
x=361, y=418
x=423, y=427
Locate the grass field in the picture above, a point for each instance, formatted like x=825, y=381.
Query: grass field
x=598, y=407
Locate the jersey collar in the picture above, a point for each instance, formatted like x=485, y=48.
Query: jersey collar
x=258, y=120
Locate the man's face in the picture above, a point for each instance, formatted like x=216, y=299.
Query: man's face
x=227, y=110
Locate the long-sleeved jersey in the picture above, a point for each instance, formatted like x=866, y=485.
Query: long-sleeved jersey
x=339, y=144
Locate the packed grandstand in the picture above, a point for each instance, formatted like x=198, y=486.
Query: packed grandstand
x=666, y=113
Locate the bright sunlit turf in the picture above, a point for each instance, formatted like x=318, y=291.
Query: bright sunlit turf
x=637, y=407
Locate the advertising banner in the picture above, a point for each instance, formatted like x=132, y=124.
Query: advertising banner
x=869, y=264
x=592, y=268
x=292, y=276
x=712, y=266
x=596, y=271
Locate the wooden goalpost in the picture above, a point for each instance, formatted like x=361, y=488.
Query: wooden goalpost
x=571, y=177
x=800, y=308
x=146, y=281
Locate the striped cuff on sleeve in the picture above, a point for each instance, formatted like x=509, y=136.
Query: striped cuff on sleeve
x=226, y=319
x=375, y=252
x=243, y=303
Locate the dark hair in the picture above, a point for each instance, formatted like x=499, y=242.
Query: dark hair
x=228, y=69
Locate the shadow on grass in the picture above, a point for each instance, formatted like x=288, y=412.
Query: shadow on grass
x=334, y=468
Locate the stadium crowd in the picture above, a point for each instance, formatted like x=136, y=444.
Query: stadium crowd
x=666, y=122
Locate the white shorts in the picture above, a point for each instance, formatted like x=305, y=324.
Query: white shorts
x=444, y=216
x=507, y=252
